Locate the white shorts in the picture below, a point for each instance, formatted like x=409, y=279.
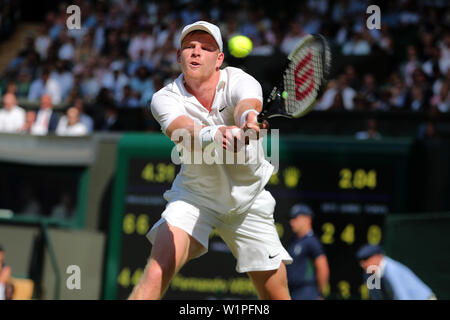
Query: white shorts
x=251, y=236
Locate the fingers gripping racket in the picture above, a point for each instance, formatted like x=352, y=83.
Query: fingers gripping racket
x=304, y=80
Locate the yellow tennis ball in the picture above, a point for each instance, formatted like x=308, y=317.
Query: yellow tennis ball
x=240, y=46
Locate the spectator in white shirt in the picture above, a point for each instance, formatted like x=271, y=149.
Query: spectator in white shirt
x=142, y=41
x=371, y=131
x=45, y=85
x=171, y=33
x=441, y=101
x=143, y=85
x=63, y=77
x=70, y=125
x=115, y=81
x=410, y=65
x=190, y=14
x=67, y=49
x=90, y=86
x=335, y=87
x=65, y=209
x=292, y=38
x=84, y=118
x=12, y=117
x=356, y=46
x=99, y=34
x=42, y=42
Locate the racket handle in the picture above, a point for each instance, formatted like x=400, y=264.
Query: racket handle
x=261, y=117
x=273, y=105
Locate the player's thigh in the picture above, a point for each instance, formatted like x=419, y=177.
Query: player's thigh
x=172, y=248
x=194, y=220
x=262, y=278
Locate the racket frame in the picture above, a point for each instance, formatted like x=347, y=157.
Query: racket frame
x=276, y=101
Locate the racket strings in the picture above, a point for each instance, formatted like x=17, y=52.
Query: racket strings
x=303, y=79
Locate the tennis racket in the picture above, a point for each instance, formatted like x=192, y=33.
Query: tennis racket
x=304, y=80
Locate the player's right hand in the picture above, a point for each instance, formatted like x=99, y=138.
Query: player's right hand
x=230, y=138
x=252, y=128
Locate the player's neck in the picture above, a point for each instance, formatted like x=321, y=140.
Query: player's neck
x=203, y=90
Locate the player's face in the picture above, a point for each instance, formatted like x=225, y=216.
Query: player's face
x=199, y=56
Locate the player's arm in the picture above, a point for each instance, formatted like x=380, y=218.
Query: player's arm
x=246, y=113
x=179, y=127
x=184, y=127
x=322, y=272
x=185, y=123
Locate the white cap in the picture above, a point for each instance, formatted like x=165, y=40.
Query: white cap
x=212, y=29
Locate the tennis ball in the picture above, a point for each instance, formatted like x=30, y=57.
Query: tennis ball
x=240, y=46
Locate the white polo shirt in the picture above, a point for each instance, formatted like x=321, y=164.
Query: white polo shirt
x=11, y=121
x=224, y=188
x=77, y=129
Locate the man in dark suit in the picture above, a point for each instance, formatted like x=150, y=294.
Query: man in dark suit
x=46, y=119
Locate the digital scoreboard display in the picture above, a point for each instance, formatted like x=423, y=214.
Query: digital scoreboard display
x=350, y=187
x=349, y=203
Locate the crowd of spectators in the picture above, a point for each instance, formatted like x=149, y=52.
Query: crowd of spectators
x=14, y=119
x=126, y=50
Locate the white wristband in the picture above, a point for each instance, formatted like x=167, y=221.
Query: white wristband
x=206, y=135
x=244, y=116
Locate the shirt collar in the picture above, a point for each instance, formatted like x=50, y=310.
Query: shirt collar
x=11, y=110
x=184, y=93
x=223, y=79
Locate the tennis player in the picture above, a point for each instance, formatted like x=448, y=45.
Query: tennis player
x=228, y=197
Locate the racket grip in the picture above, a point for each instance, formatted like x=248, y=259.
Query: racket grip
x=260, y=117
x=262, y=122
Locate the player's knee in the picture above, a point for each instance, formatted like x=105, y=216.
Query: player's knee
x=159, y=270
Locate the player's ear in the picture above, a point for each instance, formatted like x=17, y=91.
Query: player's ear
x=220, y=59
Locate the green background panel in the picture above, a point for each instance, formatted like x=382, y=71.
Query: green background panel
x=323, y=156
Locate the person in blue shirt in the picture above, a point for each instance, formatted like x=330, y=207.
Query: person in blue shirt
x=308, y=275
x=388, y=279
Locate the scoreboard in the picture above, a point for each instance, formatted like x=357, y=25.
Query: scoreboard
x=351, y=185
